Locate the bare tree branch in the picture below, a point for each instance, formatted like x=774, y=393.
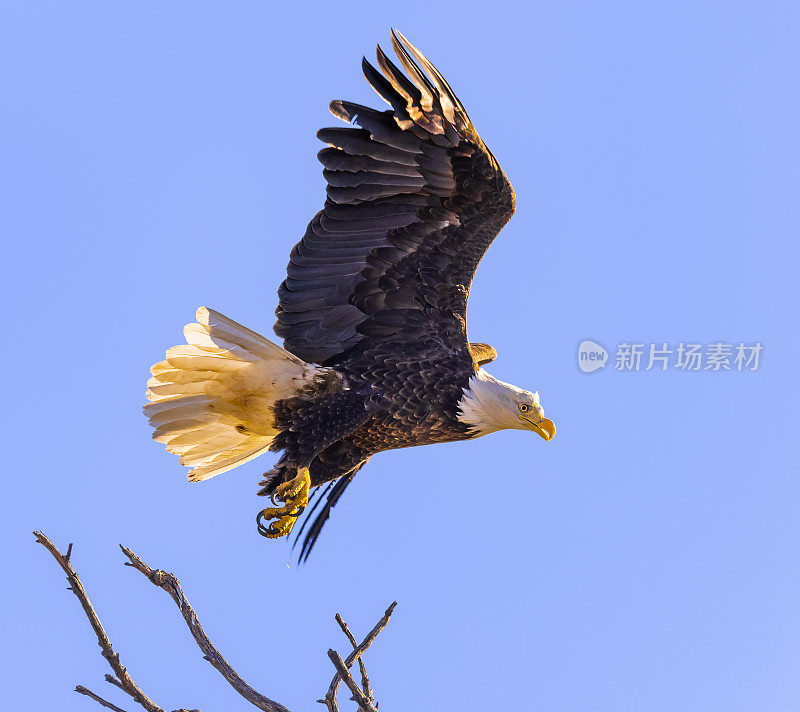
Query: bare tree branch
x=361, y=695
x=75, y=585
x=343, y=673
x=97, y=698
x=362, y=668
x=113, y=680
x=172, y=586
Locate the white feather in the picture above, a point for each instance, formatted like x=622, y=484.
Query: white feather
x=489, y=405
x=220, y=326
x=198, y=474
x=212, y=399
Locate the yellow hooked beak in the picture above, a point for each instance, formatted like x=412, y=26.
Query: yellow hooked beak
x=545, y=427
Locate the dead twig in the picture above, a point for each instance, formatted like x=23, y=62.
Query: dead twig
x=362, y=697
x=105, y=703
x=122, y=677
x=362, y=668
x=341, y=669
x=172, y=586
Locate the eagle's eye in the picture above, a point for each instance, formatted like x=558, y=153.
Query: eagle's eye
x=524, y=408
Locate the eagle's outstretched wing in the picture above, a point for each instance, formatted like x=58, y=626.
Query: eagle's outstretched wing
x=414, y=200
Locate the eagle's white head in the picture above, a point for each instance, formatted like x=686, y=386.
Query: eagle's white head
x=489, y=405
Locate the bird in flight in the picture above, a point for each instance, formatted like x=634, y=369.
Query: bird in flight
x=372, y=314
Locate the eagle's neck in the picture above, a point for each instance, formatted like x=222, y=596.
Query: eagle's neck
x=489, y=405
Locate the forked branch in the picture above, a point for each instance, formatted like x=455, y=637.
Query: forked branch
x=122, y=679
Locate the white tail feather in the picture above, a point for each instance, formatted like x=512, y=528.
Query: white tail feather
x=212, y=399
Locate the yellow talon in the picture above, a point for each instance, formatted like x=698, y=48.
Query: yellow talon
x=294, y=495
x=296, y=489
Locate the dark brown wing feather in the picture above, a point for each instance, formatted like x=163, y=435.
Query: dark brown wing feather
x=328, y=497
x=414, y=200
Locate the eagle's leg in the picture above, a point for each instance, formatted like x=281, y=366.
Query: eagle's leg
x=310, y=431
x=294, y=496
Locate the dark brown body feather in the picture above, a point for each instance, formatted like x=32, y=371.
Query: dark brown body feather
x=377, y=288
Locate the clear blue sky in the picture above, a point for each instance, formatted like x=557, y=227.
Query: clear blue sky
x=159, y=156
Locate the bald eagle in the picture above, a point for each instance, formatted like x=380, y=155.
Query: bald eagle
x=372, y=313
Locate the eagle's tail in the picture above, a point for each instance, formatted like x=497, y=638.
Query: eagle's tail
x=212, y=400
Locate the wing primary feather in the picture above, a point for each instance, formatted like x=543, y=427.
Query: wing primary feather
x=450, y=103
x=318, y=496
x=387, y=92
x=427, y=90
x=401, y=84
x=333, y=497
